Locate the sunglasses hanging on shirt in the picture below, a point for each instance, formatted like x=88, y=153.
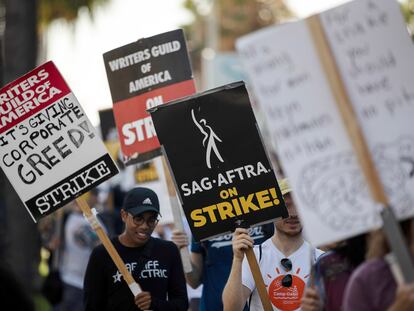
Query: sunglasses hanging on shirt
x=287, y=265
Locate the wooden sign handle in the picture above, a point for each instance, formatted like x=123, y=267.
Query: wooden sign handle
x=133, y=286
x=178, y=221
x=176, y=211
x=258, y=279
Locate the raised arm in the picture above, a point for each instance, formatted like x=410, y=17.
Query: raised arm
x=198, y=124
x=193, y=278
x=235, y=294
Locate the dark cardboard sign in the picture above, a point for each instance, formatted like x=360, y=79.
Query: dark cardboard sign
x=220, y=167
x=49, y=150
x=107, y=124
x=142, y=75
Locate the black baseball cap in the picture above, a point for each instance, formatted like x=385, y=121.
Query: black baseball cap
x=139, y=200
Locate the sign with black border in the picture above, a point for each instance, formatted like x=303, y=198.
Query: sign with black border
x=49, y=150
x=220, y=166
x=141, y=75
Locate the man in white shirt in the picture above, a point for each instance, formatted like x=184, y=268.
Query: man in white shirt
x=284, y=260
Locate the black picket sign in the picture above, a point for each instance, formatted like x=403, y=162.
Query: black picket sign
x=220, y=166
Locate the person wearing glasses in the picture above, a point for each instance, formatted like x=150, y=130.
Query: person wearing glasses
x=285, y=263
x=154, y=263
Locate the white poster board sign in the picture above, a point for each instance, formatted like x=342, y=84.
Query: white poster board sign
x=49, y=151
x=374, y=55
x=306, y=128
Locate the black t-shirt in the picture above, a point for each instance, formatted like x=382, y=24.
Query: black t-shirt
x=156, y=267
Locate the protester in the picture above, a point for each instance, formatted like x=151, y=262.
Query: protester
x=112, y=193
x=373, y=286
x=155, y=264
x=211, y=261
x=284, y=260
x=194, y=294
x=332, y=272
x=78, y=240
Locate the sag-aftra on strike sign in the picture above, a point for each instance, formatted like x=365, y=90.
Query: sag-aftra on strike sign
x=49, y=150
x=220, y=167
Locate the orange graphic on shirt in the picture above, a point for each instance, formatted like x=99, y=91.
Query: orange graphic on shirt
x=286, y=298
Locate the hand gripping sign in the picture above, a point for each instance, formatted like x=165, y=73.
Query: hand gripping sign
x=50, y=151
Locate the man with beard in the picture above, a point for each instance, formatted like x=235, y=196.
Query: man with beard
x=155, y=264
x=284, y=260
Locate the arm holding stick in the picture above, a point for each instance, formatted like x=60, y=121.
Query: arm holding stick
x=193, y=275
x=232, y=300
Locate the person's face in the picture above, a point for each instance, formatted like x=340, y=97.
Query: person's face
x=138, y=229
x=290, y=226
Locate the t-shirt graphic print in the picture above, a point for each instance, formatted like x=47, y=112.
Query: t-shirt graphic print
x=286, y=297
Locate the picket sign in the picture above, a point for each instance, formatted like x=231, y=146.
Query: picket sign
x=178, y=220
x=141, y=75
x=390, y=224
x=185, y=254
x=73, y=156
x=203, y=170
x=160, y=72
x=93, y=221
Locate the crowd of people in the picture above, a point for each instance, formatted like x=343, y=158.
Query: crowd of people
x=351, y=275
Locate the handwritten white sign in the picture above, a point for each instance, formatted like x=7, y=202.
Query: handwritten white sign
x=49, y=150
x=372, y=48
x=374, y=54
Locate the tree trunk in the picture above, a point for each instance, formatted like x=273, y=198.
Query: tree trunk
x=22, y=248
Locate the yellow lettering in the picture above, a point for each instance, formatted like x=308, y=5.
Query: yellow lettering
x=263, y=199
x=248, y=204
x=225, y=210
x=236, y=206
x=199, y=219
x=232, y=192
x=210, y=210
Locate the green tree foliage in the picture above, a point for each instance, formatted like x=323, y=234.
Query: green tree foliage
x=408, y=11
x=50, y=10
x=234, y=17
